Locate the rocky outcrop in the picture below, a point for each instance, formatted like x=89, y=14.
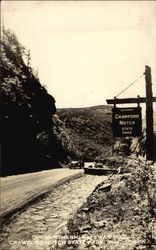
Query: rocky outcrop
x=28, y=142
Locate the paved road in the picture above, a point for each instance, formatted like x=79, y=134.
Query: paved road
x=18, y=190
x=40, y=224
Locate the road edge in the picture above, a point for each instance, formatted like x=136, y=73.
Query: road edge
x=7, y=215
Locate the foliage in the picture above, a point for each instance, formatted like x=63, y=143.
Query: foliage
x=123, y=217
x=89, y=129
x=28, y=142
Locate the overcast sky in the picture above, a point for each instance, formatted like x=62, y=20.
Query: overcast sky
x=87, y=51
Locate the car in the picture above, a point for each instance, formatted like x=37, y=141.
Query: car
x=76, y=164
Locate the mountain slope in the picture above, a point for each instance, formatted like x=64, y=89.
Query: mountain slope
x=28, y=142
x=90, y=129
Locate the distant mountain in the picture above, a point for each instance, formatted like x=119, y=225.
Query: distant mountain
x=90, y=130
x=90, y=137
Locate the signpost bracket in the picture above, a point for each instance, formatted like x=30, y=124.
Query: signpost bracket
x=114, y=101
x=138, y=101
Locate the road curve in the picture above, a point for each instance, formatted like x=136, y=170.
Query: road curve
x=18, y=190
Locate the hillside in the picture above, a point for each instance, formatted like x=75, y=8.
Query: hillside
x=90, y=135
x=90, y=129
x=27, y=139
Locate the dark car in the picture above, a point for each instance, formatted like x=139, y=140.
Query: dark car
x=76, y=164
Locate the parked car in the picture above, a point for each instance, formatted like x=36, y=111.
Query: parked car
x=76, y=164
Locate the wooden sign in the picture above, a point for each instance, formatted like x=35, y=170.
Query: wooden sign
x=127, y=122
x=120, y=124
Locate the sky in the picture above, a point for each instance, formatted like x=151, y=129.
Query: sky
x=87, y=51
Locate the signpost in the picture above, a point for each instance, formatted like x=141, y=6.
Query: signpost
x=127, y=121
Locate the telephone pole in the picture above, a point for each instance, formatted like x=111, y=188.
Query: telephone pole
x=149, y=115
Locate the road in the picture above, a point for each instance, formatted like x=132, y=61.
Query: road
x=39, y=225
x=19, y=190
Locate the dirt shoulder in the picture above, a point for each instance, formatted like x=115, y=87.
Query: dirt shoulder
x=120, y=214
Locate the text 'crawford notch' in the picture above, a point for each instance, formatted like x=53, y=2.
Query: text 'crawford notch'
x=127, y=122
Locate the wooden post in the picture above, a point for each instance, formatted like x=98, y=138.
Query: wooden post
x=149, y=116
x=149, y=99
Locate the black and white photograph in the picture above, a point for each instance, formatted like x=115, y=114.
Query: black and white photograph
x=78, y=125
